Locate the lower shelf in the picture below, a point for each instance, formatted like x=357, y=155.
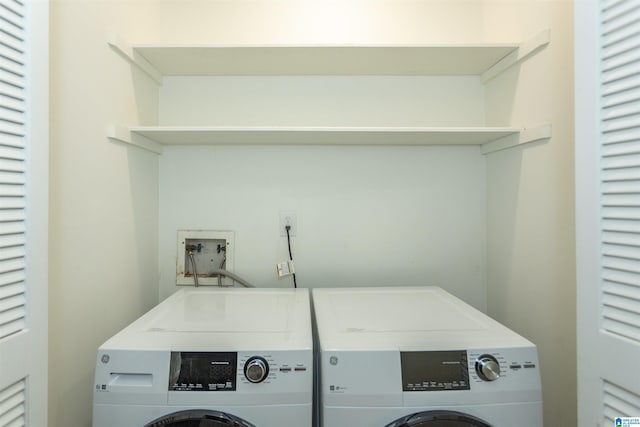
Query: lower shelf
x=490, y=138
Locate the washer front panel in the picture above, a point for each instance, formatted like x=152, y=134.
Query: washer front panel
x=148, y=377
x=189, y=354
x=107, y=415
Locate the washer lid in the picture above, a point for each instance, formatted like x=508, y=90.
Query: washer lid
x=404, y=318
x=226, y=311
x=222, y=319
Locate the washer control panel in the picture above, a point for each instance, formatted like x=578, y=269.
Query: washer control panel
x=202, y=371
x=270, y=367
x=487, y=367
x=256, y=369
x=226, y=371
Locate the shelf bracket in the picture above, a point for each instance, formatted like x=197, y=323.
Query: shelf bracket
x=121, y=134
x=126, y=51
x=525, y=50
x=526, y=136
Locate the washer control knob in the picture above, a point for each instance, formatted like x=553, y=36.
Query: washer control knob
x=487, y=367
x=256, y=369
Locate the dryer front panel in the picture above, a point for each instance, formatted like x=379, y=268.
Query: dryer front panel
x=491, y=415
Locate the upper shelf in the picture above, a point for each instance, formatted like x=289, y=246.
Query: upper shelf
x=489, y=138
x=323, y=60
x=486, y=60
x=306, y=135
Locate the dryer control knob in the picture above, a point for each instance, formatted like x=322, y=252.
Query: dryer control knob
x=256, y=369
x=488, y=367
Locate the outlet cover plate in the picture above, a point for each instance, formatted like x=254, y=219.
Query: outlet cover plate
x=288, y=218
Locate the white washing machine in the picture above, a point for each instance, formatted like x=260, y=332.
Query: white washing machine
x=419, y=357
x=210, y=357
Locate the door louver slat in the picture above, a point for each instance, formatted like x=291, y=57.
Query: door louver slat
x=13, y=168
x=13, y=405
x=618, y=402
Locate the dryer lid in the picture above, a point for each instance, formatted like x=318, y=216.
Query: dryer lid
x=199, y=418
x=439, y=419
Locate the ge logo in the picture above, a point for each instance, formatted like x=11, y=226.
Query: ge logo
x=105, y=358
x=333, y=360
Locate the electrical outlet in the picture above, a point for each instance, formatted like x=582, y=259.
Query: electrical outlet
x=288, y=218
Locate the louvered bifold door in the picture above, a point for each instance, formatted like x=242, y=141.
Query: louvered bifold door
x=12, y=168
x=620, y=173
x=13, y=171
x=24, y=59
x=607, y=150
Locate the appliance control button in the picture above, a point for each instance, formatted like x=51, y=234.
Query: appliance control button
x=487, y=367
x=256, y=369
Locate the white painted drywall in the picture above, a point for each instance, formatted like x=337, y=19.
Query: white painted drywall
x=366, y=215
x=531, y=238
x=318, y=21
x=376, y=215
x=322, y=101
x=103, y=196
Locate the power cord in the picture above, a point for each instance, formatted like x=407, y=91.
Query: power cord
x=288, y=227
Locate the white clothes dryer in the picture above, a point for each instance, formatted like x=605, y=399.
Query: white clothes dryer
x=210, y=357
x=420, y=357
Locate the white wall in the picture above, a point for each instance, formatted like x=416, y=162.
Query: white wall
x=366, y=215
x=415, y=214
x=319, y=21
x=103, y=197
x=531, y=250
x=378, y=216
x=322, y=101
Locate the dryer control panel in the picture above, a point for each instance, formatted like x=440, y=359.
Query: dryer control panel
x=467, y=369
x=434, y=370
x=439, y=370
